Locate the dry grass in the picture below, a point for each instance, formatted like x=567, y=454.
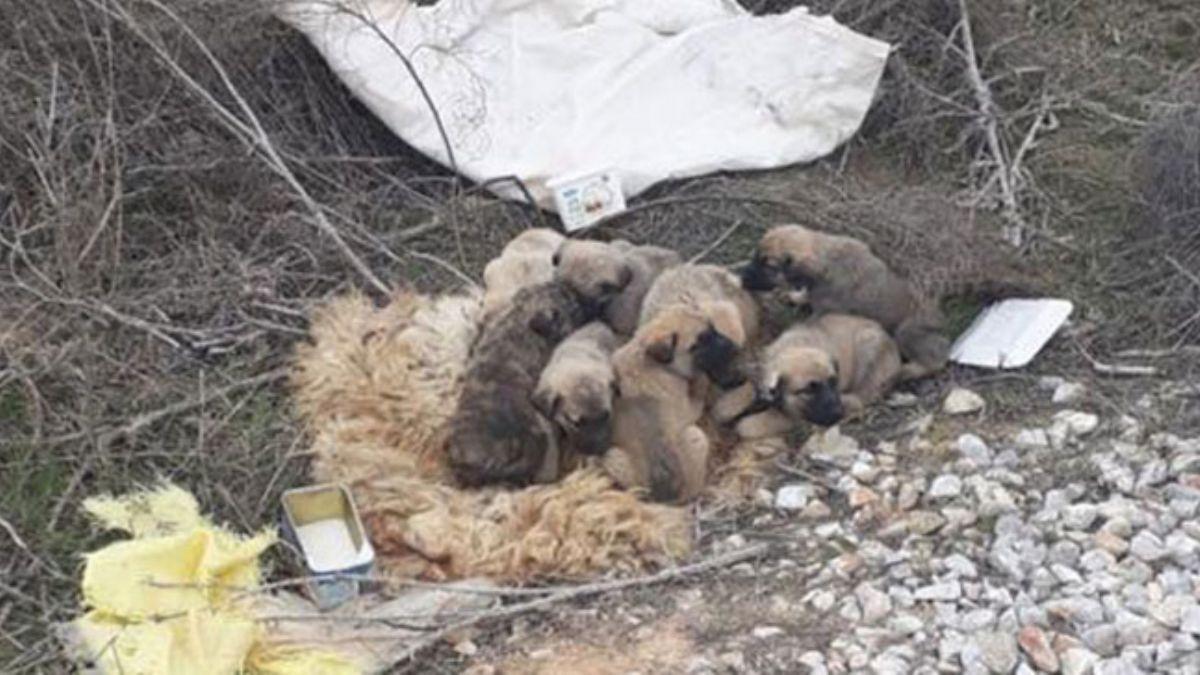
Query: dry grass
x=154, y=263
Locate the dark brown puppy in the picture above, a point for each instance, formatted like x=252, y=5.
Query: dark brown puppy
x=842, y=275
x=497, y=435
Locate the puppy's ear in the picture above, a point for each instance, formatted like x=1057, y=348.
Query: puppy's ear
x=547, y=402
x=543, y=323
x=663, y=348
x=625, y=277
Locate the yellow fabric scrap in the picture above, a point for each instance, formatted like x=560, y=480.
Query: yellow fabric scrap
x=167, y=601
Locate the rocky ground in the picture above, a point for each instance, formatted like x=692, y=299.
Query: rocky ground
x=959, y=544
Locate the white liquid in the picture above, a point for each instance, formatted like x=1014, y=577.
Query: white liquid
x=328, y=545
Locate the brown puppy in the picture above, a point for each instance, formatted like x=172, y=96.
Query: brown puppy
x=613, y=275
x=841, y=274
x=660, y=376
x=525, y=261
x=823, y=370
x=497, y=436
x=576, y=390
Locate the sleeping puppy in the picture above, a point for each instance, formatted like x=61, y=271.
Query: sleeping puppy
x=841, y=274
x=615, y=276
x=525, y=261
x=823, y=370
x=576, y=390
x=496, y=433
x=663, y=390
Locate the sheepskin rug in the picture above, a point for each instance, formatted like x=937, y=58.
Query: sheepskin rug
x=376, y=387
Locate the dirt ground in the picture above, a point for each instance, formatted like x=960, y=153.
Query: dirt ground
x=157, y=273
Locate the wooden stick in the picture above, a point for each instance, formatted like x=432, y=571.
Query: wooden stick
x=669, y=574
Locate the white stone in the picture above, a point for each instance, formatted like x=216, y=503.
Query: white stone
x=945, y=485
x=1077, y=423
x=889, y=664
x=822, y=601
x=973, y=448
x=1147, y=547
x=875, y=604
x=961, y=401
x=1189, y=620
x=864, y=472
x=1068, y=392
x=950, y=590
x=1080, y=516
x=999, y=651
x=1101, y=639
x=1065, y=574
x=906, y=624
x=765, y=632
x=1031, y=439
x=793, y=497
x=833, y=447
x=959, y=565
x=1077, y=661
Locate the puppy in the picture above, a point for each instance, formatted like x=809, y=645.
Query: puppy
x=657, y=450
x=576, y=390
x=718, y=294
x=823, y=370
x=663, y=391
x=841, y=274
x=496, y=433
x=614, y=276
x=525, y=261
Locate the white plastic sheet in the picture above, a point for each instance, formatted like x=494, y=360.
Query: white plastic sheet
x=649, y=89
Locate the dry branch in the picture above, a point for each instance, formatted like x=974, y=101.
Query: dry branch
x=249, y=129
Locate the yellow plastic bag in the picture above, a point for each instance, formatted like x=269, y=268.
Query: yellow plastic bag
x=173, y=599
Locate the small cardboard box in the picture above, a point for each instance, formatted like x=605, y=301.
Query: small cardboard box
x=584, y=199
x=322, y=522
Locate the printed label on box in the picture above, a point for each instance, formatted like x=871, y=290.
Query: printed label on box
x=584, y=200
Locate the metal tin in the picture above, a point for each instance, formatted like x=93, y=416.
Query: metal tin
x=322, y=522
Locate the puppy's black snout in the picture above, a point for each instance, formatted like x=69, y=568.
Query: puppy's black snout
x=757, y=277
x=825, y=406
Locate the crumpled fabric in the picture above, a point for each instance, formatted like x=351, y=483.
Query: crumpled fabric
x=174, y=599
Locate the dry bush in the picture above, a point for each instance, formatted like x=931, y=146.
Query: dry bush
x=1165, y=240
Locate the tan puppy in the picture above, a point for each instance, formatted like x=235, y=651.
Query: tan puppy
x=703, y=286
x=525, y=261
x=576, y=390
x=662, y=396
x=657, y=450
x=823, y=370
x=614, y=276
x=841, y=274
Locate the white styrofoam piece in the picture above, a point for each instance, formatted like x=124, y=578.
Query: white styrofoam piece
x=584, y=200
x=329, y=546
x=1010, y=333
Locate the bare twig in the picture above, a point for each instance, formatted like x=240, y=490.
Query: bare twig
x=12, y=532
x=584, y=590
x=144, y=420
x=989, y=114
x=1110, y=369
x=717, y=242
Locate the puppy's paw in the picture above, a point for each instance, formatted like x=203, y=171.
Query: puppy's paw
x=619, y=466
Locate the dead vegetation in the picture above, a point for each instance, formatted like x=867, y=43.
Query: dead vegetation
x=159, y=263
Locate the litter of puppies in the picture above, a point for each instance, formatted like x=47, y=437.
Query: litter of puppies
x=557, y=425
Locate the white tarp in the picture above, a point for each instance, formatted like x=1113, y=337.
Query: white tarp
x=650, y=89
